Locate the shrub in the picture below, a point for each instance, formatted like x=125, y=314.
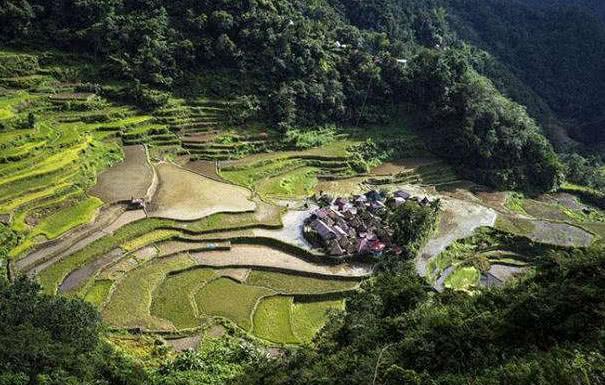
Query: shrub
x=304, y=139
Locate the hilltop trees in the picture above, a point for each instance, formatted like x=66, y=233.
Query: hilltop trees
x=308, y=65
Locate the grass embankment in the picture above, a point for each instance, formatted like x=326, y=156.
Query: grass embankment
x=298, y=284
x=307, y=318
x=143, y=232
x=149, y=238
x=130, y=302
x=226, y=298
x=174, y=299
x=293, y=184
x=62, y=221
x=266, y=298
x=98, y=292
x=289, y=173
x=272, y=320
x=51, y=277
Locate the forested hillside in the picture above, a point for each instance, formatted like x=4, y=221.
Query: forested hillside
x=306, y=65
x=555, y=48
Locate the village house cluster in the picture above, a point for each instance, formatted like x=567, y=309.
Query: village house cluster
x=356, y=226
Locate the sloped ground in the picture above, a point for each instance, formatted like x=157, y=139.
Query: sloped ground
x=131, y=178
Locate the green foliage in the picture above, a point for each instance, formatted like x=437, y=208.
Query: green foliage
x=412, y=224
x=9, y=239
x=543, y=329
x=302, y=140
x=44, y=335
x=217, y=362
x=583, y=171
x=17, y=64
x=490, y=138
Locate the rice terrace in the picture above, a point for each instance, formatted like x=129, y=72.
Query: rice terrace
x=177, y=221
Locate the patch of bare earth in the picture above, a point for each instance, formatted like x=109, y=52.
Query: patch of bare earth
x=396, y=167
x=131, y=178
x=240, y=275
x=560, y=234
x=205, y=168
x=76, y=278
x=263, y=256
x=184, y=195
x=175, y=247
x=184, y=343
x=459, y=219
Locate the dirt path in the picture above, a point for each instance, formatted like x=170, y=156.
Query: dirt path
x=263, y=256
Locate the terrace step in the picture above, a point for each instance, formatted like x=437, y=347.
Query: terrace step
x=219, y=146
x=188, y=119
x=203, y=137
x=211, y=157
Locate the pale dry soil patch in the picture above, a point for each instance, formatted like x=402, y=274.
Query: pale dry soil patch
x=292, y=230
x=185, y=195
x=205, y=168
x=131, y=178
x=243, y=255
x=399, y=166
x=560, y=234
x=505, y=272
x=184, y=343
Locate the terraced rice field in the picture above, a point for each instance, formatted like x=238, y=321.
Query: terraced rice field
x=131, y=178
x=219, y=240
x=184, y=195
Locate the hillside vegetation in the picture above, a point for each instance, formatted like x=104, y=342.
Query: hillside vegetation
x=302, y=64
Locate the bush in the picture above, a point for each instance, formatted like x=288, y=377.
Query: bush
x=304, y=139
x=144, y=97
x=18, y=65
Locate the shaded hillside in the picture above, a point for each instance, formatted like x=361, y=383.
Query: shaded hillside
x=556, y=51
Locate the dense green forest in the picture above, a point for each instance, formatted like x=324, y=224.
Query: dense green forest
x=306, y=63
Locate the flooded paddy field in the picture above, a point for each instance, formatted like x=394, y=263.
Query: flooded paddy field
x=184, y=195
x=133, y=177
